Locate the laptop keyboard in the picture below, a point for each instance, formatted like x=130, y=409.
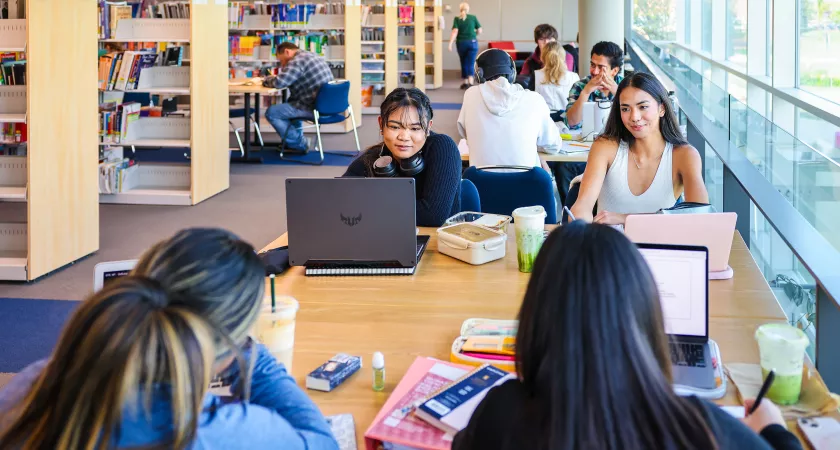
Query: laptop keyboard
x=685, y=354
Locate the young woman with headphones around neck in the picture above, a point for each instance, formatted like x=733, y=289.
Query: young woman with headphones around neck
x=410, y=149
x=134, y=362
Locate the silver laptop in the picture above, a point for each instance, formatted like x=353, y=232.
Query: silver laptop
x=106, y=272
x=353, y=226
x=682, y=278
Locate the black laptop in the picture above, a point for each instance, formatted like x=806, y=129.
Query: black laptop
x=353, y=226
x=682, y=277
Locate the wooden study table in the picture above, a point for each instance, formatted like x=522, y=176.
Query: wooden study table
x=256, y=91
x=421, y=315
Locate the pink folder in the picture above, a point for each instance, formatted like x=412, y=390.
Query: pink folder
x=396, y=424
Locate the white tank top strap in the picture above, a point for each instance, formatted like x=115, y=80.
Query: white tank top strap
x=615, y=193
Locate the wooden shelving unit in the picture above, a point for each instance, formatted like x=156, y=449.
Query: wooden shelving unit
x=349, y=24
x=204, y=129
x=434, y=46
x=57, y=179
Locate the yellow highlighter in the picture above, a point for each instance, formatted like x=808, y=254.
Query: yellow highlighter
x=495, y=345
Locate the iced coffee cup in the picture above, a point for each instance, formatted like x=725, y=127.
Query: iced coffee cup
x=529, y=225
x=782, y=350
x=276, y=330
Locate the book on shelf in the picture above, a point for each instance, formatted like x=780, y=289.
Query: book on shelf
x=405, y=14
x=395, y=425
x=122, y=71
x=113, y=175
x=115, y=119
x=13, y=9
x=111, y=13
x=12, y=133
x=13, y=73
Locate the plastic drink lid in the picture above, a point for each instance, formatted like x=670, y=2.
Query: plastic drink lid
x=378, y=360
x=782, y=333
x=530, y=212
x=284, y=305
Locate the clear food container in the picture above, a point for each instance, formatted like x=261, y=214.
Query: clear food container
x=496, y=222
x=471, y=243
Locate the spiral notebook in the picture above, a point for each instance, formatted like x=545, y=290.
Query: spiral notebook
x=366, y=268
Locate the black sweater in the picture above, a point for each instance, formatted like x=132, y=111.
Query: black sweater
x=505, y=420
x=438, y=186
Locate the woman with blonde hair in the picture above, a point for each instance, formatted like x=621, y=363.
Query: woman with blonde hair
x=555, y=80
x=133, y=364
x=465, y=31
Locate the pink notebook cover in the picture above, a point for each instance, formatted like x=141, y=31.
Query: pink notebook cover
x=396, y=424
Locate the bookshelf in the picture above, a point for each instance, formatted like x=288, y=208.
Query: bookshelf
x=331, y=29
x=56, y=218
x=196, y=78
x=434, y=45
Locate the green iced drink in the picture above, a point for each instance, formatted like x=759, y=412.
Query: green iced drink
x=529, y=223
x=782, y=350
x=785, y=389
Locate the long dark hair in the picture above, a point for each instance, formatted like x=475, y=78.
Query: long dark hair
x=592, y=352
x=191, y=301
x=669, y=126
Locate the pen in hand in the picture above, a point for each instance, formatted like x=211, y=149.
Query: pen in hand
x=763, y=391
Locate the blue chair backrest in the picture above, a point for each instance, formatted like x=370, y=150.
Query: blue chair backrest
x=502, y=192
x=470, y=200
x=333, y=98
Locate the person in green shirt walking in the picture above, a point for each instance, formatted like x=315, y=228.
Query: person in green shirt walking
x=465, y=30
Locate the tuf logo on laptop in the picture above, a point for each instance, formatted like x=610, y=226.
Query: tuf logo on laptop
x=351, y=221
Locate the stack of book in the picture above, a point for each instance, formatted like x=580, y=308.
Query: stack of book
x=368, y=11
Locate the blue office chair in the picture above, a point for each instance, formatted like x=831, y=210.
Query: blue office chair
x=332, y=105
x=470, y=200
x=502, y=192
x=240, y=112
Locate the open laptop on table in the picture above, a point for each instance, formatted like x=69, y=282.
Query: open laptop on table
x=713, y=231
x=681, y=274
x=108, y=271
x=353, y=226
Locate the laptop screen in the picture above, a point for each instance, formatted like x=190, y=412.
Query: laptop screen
x=682, y=279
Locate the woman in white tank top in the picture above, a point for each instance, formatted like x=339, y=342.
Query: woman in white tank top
x=641, y=163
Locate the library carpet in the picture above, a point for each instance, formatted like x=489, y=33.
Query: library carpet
x=29, y=330
x=269, y=156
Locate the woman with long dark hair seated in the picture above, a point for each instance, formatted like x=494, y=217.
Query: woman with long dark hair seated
x=134, y=362
x=594, y=364
x=410, y=148
x=641, y=163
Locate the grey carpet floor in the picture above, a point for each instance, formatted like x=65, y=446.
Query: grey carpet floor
x=254, y=208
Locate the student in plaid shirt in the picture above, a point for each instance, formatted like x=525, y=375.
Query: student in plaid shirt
x=303, y=73
x=601, y=84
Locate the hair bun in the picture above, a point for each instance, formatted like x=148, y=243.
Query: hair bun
x=155, y=293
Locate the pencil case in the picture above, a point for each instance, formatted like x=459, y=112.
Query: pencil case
x=457, y=356
x=494, y=345
x=489, y=327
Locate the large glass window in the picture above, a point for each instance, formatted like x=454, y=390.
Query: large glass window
x=819, y=48
x=706, y=24
x=736, y=32
x=655, y=19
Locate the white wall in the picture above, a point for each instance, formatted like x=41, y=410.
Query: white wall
x=512, y=20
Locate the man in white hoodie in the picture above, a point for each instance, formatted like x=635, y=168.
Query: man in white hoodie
x=503, y=123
